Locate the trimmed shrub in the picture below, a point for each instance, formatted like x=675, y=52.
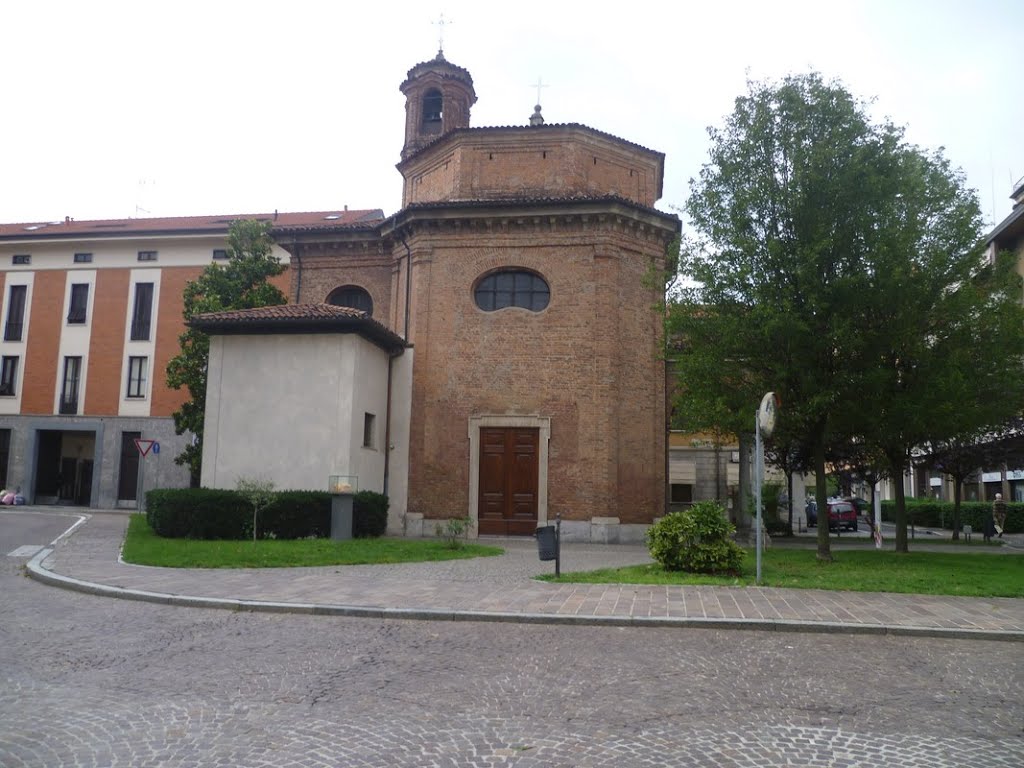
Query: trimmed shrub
x=208, y=513
x=369, y=514
x=695, y=540
x=298, y=515
x=198, y=513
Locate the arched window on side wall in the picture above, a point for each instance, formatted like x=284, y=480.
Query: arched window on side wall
x=352, y=296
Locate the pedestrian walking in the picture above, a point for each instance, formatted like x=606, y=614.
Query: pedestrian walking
x=999, y=514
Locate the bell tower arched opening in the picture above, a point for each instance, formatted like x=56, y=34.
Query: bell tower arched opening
x=438, y=97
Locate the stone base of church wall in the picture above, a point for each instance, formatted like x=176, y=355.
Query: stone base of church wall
x=603, y=530
x=597, y=530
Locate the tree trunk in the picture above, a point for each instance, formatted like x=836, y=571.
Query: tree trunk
x=789, y=496
x=958, y=485
x=901, y=513
x=821, y=496
x=743, y=521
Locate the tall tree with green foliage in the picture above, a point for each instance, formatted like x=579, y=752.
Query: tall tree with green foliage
x=963, y=455
x=241, y=283
x=811, y=221
x=949, y=341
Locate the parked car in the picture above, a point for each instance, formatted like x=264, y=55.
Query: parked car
x=842, y=514
x=863, y=505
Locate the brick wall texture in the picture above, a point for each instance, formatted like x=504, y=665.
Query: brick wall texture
x=106, y=342
x=536, y=199
x=589, y=362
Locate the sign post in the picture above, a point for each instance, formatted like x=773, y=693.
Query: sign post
x=764, y=424
x=143, y=447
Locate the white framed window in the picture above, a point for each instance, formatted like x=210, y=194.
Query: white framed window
x=69, y=389
x=142, y=311
x=138, y=371
x=9, y=376
x=79, y=304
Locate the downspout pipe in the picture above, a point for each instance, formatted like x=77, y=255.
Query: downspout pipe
x=298, y=276
x=408, y=284
x=387, y=423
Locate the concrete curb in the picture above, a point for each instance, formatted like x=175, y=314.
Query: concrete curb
x=38, y=572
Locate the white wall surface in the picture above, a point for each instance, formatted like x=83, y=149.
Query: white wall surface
x=289, y=408
x=172, y=251
x=401, y=419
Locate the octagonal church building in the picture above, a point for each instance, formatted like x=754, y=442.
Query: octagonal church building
x=491, y=351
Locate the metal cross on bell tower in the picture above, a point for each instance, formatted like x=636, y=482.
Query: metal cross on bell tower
x=537, y=118
x=440, y=23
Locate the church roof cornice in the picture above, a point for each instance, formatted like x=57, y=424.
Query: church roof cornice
x=595, y=203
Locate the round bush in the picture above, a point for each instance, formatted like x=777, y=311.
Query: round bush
x=695, y=540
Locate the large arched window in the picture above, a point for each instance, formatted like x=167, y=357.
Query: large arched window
x=352, y=296
x=512, y=288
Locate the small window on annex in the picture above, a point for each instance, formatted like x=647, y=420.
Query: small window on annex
x=512, y=288
x=352, y=296
x=369, y=423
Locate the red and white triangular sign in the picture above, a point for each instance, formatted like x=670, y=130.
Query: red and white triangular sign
x=143, y=446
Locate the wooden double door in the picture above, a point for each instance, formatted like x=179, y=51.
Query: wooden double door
x=508, y=481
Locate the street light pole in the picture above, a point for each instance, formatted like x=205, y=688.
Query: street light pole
x=758, y=477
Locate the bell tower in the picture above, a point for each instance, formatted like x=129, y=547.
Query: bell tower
x=438, y=96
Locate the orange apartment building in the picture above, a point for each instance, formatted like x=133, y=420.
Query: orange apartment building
x=91, y=315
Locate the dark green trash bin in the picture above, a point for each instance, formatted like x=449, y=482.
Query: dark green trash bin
x=547, y=542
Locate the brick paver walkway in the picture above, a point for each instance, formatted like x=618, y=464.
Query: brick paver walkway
x=501, y=588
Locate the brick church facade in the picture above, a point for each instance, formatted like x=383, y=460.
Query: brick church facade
x=520, y=279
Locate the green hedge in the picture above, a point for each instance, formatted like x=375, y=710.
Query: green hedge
x=929, y=513
x=208, y=513
x=369, y=514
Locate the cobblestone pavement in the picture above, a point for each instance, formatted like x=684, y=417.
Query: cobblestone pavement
x=89, y=681
x=503, y=586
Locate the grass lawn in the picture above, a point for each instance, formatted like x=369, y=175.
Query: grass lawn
x=926, y=573
x=850, y=541
x=143, y=547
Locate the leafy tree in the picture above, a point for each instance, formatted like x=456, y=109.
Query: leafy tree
x=241, y=283
x=949, y=334
x=784, y=212
x=961, y=455
x=259, y=492
x=835, y=265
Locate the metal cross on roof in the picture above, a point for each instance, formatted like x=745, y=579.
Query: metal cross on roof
x=440, y=34
x=538, y=85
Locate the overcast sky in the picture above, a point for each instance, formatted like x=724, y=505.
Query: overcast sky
x=153, y=108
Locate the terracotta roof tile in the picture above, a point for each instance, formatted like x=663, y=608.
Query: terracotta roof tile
x=281, y=312
x=183, y=224
x=299, y=318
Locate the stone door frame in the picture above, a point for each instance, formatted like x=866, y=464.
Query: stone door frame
x=543, y=425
